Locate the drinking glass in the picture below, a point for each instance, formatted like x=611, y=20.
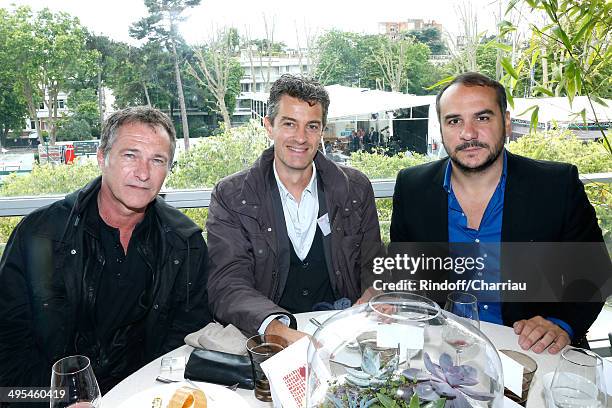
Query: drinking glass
x=261, y=348
x=578, y=380
x=76, y=378
x=465, y=306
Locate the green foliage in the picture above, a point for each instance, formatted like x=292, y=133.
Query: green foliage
x=432, y=37
x=574, y=45
x=363, y=60
x=13, y=108
x=380, y=166
x=563, y=146
x=218, y=156
x=49, y=179
x=73, y=128
x=589, y=157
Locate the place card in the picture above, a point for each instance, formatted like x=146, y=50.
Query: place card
x=513, y=374
x=286, y=373
x=409, y=337
x=608, y=374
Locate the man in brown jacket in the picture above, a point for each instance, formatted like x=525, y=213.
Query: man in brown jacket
x=293, y=230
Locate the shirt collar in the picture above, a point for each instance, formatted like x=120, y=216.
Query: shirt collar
x=311, y=187
x=449, y=169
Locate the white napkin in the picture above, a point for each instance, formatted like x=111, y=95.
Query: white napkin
x=215, y=337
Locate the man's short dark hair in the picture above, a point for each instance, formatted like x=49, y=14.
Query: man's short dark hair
x=138, y=114
x=477, y=79
x=303, y=88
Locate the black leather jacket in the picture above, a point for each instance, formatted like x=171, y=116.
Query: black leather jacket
x=48, y=276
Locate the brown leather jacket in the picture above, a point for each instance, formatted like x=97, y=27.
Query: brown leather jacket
x=246, y=276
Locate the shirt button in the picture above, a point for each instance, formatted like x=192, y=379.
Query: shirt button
x=269, y=229
x=156, y=306
x=73, y=251
x=477, y=240
x=486, y=307
x=243, y=201
x=305, y=292
x=305, y=265
x=337, y=272
x=462, y=214
x=346, y=209
x=176, y=261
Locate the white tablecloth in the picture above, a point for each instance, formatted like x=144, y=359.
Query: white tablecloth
x=503, y=337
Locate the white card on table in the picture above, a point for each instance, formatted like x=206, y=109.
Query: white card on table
x=286, y=372
x=513, y=374
x=409, y=336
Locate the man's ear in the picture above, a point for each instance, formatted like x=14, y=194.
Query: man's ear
x=508, y=124
x=100, y=158
x=268, y=126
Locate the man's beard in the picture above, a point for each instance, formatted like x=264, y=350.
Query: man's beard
x=491, y=158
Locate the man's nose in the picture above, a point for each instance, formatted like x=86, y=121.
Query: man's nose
x=142, y=171
x=468, y=132
x=300, y=135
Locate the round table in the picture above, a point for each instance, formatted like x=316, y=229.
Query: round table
x=502, y=337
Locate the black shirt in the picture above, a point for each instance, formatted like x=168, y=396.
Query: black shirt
x=125, y=279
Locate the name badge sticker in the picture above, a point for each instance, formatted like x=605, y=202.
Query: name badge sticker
x=323, y=222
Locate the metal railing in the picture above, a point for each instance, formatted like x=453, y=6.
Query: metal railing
x=200, y=198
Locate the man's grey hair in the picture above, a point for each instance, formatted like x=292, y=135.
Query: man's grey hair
x=138, y=114
x=303, y=88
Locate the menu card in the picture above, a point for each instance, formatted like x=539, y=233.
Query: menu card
x=286, y=372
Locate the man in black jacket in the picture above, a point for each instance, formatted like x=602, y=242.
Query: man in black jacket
x=482, y=195
x=111, y=272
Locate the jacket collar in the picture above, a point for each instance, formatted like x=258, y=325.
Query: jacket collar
x=79, y=200
x=255, y=187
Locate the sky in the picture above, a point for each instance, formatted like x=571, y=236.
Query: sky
x=113, y=17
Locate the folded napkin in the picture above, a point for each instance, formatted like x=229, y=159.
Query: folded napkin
x=215, y=337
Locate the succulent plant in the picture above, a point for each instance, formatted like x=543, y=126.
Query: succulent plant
x=446, y=380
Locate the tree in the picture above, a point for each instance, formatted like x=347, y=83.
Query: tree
x=73, y=128
x=391, y=59
x=13, y=108
x=432, y=38
x=49, y=51
x=218, y=70
x=161, y=26
x=576, y=42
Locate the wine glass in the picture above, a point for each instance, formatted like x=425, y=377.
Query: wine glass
x=73, y=384
x=465, y=306
x=578, y=380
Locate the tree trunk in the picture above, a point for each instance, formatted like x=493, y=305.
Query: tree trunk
x=52, y=116
x=179, y=89
x=100, y=99
x=27, y=91
x=146, y=92
x=225, y=115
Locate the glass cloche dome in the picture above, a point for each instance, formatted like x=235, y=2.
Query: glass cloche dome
x=402, y=347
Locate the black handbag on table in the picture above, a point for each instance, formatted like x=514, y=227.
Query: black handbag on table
x=220, y=368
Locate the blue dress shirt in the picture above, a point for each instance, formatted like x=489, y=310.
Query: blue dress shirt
x=486, y=243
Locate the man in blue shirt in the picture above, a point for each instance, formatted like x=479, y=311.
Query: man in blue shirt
x=484, y=195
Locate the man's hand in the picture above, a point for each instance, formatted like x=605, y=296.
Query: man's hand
x=538, y=333
x=367, y=295
x=279, y=329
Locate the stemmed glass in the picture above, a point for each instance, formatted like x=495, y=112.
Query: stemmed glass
x=578, y=380
x=465, y=306
x=74, y=384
